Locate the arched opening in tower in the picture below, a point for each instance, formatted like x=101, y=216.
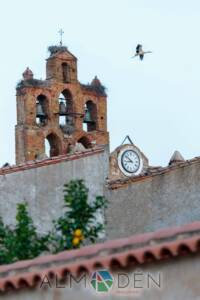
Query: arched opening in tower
x=90, y=116
x=42, y=109
x=66, y=112
x=66, y=73
x=52, y=145
x=85, y=142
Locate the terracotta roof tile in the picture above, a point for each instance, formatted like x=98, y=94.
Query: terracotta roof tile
x=50, y=161
x=134, y=250
x=151, y=172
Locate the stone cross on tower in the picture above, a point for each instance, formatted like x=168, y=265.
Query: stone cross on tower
x=61, y=32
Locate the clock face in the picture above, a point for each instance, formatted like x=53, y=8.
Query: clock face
x=130, y=162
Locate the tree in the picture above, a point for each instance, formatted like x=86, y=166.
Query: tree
x=79, y=220
x=28, y=242
x=22, y=241
x=78, y=224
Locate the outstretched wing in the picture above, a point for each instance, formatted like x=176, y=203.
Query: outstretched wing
x=145, y=52
x=134, y=55
x=138, y=48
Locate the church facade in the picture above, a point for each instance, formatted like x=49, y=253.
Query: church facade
x=152, y=227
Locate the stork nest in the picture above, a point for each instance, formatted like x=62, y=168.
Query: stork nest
x=99, y=90
x=55, y=49
x=31, y=83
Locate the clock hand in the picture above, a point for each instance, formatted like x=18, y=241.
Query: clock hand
x=128, y=159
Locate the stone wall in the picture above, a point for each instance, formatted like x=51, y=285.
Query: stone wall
x=42, y=185
x=147, y=204
x=154, y=202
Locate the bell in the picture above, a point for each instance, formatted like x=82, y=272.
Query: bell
x=69, y=120
x=62, y=111
x=87, y=117
x=39, y=111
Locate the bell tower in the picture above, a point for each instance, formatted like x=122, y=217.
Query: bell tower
x=57, y=114
x=61, y=65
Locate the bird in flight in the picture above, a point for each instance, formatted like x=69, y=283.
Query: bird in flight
x=140, y=52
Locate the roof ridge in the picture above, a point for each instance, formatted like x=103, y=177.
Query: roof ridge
x=140, y=240
x=49, y=161
x=151, y=172
x=30, y=276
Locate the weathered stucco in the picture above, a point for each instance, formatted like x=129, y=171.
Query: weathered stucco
x=156, y=202
x=170, y=199
x=42, y=187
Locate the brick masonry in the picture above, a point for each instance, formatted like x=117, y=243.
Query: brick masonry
x=30, y=136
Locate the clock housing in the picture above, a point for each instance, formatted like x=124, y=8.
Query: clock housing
x=130, y=161
x=123, y=166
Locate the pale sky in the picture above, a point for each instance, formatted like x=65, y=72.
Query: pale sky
x=156, y=101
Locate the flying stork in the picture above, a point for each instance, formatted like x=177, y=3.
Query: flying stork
x=140, y=52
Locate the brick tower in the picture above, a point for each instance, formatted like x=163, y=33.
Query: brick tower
x=59, y=111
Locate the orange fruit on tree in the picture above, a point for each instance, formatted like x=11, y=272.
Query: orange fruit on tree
x=76, y=241
x=78, y=233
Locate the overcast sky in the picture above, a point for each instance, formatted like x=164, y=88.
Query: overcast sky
x=156, y=101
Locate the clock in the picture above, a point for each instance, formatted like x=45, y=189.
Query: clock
x=130, y=161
